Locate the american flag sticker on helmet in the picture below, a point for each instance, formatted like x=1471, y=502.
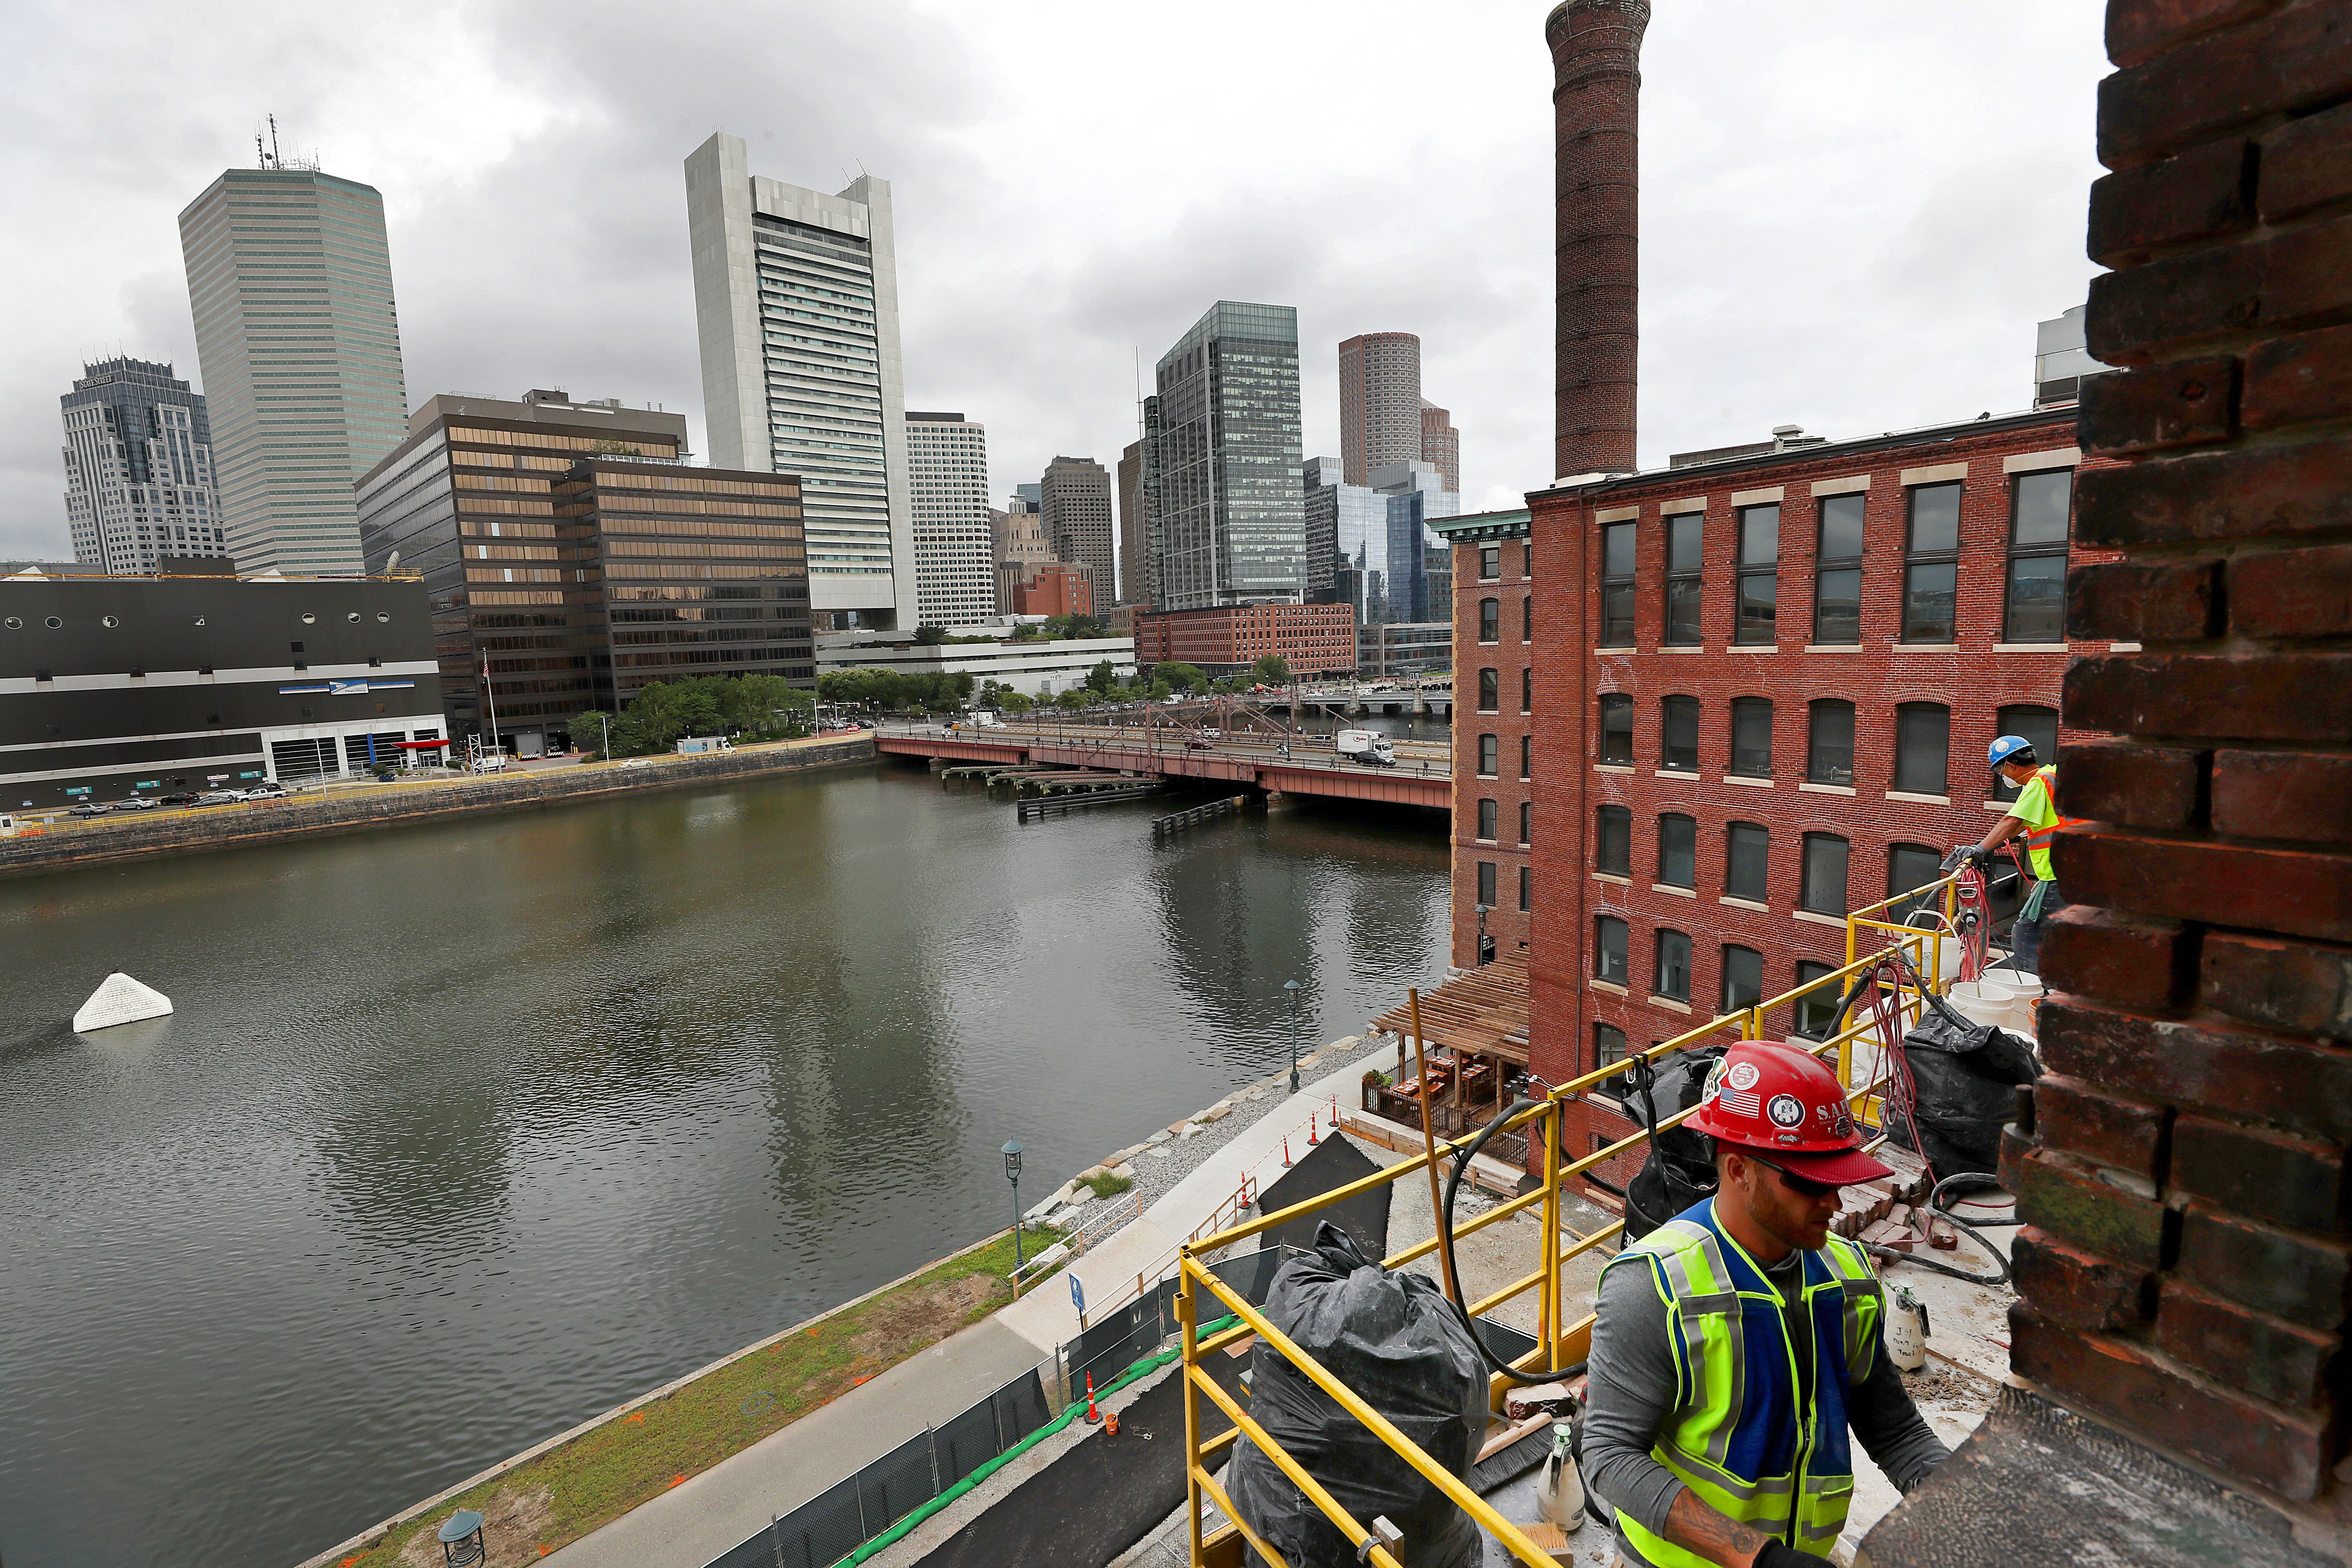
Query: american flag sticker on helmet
x=1737, y=1103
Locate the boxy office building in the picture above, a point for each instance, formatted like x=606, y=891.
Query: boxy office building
x=197, y=678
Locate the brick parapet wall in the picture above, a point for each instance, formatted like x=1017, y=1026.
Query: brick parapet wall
x=1510, y=656
x=229, y=827
x=2187, y=1269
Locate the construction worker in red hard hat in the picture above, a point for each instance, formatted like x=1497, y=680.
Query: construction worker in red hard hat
x=1734, y=1346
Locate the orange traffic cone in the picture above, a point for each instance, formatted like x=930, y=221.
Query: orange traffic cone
x=1285, y=1154
x=1310, y=1130
x=1093, y=1415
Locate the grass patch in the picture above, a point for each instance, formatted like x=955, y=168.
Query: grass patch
x=562, y=1495
x=1106, y=1185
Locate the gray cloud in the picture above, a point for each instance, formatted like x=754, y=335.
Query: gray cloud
x=1850, y=225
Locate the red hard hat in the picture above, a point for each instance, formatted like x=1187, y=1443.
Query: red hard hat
x=1783, y=1102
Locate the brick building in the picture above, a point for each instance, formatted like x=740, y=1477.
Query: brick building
x=1055, y=589
x=1317, y=639
x=1785, y=670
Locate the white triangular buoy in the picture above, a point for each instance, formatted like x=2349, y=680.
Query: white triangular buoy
x=121, y=1000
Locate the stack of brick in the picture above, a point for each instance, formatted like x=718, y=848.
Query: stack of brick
x=2186, y=1272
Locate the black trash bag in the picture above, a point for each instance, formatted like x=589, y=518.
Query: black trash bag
x=1397, y=1343
x=1966, y=1075
x=1680, y=1167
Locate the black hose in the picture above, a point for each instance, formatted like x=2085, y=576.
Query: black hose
x=1935, y=1207
x=1454, y=1271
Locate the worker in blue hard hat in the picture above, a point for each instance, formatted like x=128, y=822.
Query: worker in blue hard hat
x=2034, y=817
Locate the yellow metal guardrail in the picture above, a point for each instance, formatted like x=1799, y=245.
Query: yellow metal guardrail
x=1557, y=1343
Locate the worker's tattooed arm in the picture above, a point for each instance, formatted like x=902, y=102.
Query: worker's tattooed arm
x=1694, y=1527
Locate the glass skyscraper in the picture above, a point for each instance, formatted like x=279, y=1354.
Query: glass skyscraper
x=1227, y=510
x=289, y=276
x=1370, y=545
x=796, y=304
x=138, y=467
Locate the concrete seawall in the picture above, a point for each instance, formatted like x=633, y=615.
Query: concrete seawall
x=226, y=828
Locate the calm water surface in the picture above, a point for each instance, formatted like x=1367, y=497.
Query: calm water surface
x=463, y=1133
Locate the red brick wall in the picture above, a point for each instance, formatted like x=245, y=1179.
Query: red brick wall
x=1972, y=680
x=1509, y=657
x=1317, y=639
x=1055, y=590
x=2188, y=1262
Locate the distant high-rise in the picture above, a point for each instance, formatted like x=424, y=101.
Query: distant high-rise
x=1441, y=445
x=1370, y=545
x=947, y=470
x=1017, y=543
x=1380, y=403
x=289, y=276
x=1073, y=498
x=1227, y=515
x=797, y=305
x=138, y=467
x=1134, y=529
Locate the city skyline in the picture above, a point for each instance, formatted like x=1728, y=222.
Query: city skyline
x=489, y=303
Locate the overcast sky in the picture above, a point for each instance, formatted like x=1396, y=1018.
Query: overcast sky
x=1850, y=225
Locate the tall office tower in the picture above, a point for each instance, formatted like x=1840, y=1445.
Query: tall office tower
x=1228, y=519
x=1134, y=529
x=1073, y=498
x=946, y=470
x=797, y=305
x=1415, y=496
x=1027, y=498
x=1441, y=445
x=1017, y=544
x=1380, y=403
x=1321, y=581
x=138, y=467
x=290, y=279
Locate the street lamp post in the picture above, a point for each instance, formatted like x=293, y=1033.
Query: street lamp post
x=1013, y=1175
x=1292, y=987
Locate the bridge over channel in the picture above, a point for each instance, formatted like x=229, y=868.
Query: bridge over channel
x=1423, y=775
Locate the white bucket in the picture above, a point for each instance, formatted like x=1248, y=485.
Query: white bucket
x=2026, y=989
x=1984, y=1002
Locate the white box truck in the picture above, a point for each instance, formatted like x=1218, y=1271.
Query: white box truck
x=1365, y=746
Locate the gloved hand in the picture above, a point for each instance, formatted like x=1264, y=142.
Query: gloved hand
x=1780, y=1554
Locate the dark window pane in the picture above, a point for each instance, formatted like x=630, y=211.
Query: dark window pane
x=2039, y=725
x=1527, y=754
x=1490, y=620
x=2043, y=502
x=1617, y=550
x=1828, y=755
x=1528, y=619
x=1743, y=977
x=1837, y=607
x=1929, y=592
x=1617, y=616
x=1673, y=978
x=1910, y=866
x=1824, y=883
x=1935, y=518
x=1527, y=689
x=1617, y=729
x=1680, y=731
x=1923, y=741
x=1678, y=850
x=1526, y=880
x=2037, y=600
x=1490, y=560
x=1683, y=535
x=1489, y=754
x=1490, y=690
x=1609, y=949
x=1489, y=813
x=1751, y=737
x=1609, y=1045
x=1486, y=883
x=1746, y=861
x=1759, y=536
x=1526, y=821
x=1759, y=606
x=1841, y=528
x=1682, y=613
x=1817, y=1011
x=1615, y=840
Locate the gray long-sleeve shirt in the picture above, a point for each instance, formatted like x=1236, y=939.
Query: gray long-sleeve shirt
x=1631, y=1395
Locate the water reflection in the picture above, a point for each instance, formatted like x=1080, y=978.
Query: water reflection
x=463, y=1133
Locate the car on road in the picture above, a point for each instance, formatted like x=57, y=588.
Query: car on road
x=90, y=808
x=218, y=797
x=179, y=797
x=136, y=802
x=271, y=790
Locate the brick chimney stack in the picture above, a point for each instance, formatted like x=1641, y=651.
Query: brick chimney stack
x=1596, y=52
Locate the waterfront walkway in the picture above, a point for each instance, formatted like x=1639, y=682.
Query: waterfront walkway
x=705, y=1515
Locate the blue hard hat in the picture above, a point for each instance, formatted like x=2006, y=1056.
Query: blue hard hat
x=2005, y=748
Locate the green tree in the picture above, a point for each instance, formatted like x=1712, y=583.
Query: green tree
x=1072, y=700
x=1183, y=677
x=1273, y=668
x=587, y=729
x=1162, y=691
x=1018, y=702
x=1102, y=679
x=929, y=636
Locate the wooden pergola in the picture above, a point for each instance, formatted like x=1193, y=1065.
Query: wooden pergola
x=1481, y=1013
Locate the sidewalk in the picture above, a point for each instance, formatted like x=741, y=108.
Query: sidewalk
x=695, y=1521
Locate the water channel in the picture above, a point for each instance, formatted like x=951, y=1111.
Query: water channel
x=463, y=1132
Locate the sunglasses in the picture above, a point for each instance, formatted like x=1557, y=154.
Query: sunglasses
x=1814, y=1191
